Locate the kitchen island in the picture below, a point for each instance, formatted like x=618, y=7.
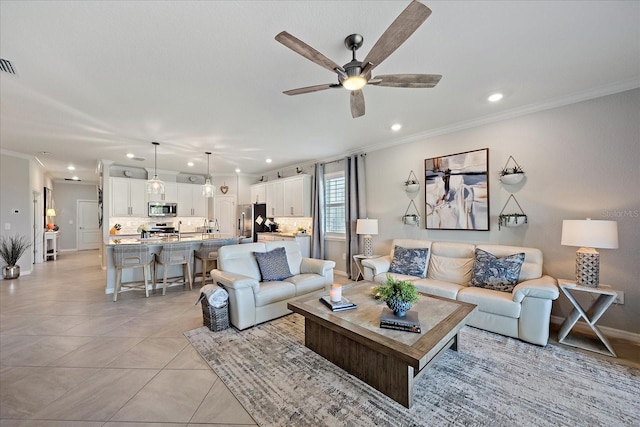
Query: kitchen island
x=155, y=245
x=303, y=240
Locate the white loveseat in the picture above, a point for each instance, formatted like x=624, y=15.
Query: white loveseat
x=252, y=301
x=523, y=313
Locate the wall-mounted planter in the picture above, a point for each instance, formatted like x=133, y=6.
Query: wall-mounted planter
x=512, y=178
x=411, y=219
x=511, y=220
x=511, y=175
x=411, y=187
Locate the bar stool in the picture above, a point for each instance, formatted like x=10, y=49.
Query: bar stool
x=132, y=257
x=175, y=254
x=207, y=253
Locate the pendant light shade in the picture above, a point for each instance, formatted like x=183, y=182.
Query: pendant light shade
x=155, y=186
x=208, y=189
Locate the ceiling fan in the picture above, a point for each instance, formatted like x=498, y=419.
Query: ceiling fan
x=354, y=75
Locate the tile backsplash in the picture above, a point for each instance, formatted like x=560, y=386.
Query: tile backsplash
x=291, y=225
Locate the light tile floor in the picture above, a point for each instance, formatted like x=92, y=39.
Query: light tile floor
x=70, y=356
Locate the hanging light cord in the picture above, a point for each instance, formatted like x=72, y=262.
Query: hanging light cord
x=208, y=156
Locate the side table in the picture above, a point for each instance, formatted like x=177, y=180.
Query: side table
x=51, y=249
x=606, y=297
x=358, y=260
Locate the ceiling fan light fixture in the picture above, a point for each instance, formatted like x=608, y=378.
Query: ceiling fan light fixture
x=155, y=186
x=208, y=189
x=354, y=83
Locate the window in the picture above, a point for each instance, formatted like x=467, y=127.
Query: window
x=334, y=210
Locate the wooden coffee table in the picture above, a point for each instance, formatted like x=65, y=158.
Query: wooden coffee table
x=386, y=359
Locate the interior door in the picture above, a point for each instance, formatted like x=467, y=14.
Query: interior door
x=224, y=210
x=88, y=231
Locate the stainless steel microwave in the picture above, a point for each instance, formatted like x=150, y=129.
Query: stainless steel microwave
x=162, y=209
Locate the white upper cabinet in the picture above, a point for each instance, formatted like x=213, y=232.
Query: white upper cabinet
x=191, y=202
x=259, y=193
x=285, y=197
x=170, y=194
x=128, y=197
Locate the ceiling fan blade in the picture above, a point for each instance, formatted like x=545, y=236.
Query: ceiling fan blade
x=406, y=80
x=310, y=89
x=307, y=51
x=398, y=32
x=357, y=103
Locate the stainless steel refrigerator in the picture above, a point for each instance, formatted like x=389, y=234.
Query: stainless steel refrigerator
x=251, y=220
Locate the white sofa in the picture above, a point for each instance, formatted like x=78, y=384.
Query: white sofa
x=252, y=301
x=523, y=313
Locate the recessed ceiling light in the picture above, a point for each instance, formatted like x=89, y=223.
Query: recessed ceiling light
x=396, y=127
x=190, y=164
x=75, y=178
x=71, y=168
x=130, y=155
x=495, y=97
x=237, y=170
x=268, y=160
x=46, y=153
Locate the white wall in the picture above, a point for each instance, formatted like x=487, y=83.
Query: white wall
x=66, y=196
x=580, y=160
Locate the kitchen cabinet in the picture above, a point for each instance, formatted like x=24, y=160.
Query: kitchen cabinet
x=297, y=196
x=303, y=241
x=286, y=197
x=170, y=194
x=259, y=193
x=275, y=199
x=191, y=202
x=128, y=197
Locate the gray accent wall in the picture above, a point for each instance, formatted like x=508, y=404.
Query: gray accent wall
x=581, y=160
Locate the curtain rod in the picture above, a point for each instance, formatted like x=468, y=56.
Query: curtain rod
x=342, y=159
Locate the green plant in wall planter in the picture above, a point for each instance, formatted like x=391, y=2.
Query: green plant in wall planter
x=400, y=295
x=11, y=250
x=511, y=175
x=511, y=220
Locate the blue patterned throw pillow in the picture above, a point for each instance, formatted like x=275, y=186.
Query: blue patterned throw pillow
x=499, y=274
x=409, y=261
x=273, y=265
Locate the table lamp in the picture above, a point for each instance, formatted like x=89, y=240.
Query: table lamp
x=367, y=227
x=50, y=213
x=589, y=235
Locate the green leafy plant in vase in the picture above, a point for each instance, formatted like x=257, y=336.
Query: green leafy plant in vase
x=400, y=295
x=11, y=250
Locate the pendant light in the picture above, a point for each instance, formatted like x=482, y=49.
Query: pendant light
x=208, y=189
x=155, y=186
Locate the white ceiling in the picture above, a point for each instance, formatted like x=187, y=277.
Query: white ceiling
x=99, y=79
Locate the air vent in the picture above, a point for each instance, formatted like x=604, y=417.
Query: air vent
x=139, y=159
x=7, y=66
x=71, y=179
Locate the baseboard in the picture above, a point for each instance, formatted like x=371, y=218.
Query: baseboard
x=582, y=327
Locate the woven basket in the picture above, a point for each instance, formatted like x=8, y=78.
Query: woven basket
x=216, y=319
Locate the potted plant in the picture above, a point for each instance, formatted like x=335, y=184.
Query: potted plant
x=511, y=220
x=400, y=295
x=11, y=250
x=411, y=185
x=411, y=219
x=511, y=175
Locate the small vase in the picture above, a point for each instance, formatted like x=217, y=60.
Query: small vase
x=399, y=308
x=11, y=272
x=143, y=234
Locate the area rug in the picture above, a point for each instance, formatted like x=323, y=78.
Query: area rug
x=492, y=380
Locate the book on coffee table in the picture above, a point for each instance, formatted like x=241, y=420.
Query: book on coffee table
x=409, y=322
x=343, y=304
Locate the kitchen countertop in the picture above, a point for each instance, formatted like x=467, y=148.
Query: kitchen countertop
x=130, y=240
x=278, y=233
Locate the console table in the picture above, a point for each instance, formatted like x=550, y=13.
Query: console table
x=591, y=315
x=51, y=244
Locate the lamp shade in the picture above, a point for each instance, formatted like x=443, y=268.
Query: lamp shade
x=590, y=233
x=367, y=226
x=51, y=212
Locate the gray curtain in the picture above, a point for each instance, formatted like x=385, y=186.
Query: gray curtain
x=355, y=207
x=317, y=243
